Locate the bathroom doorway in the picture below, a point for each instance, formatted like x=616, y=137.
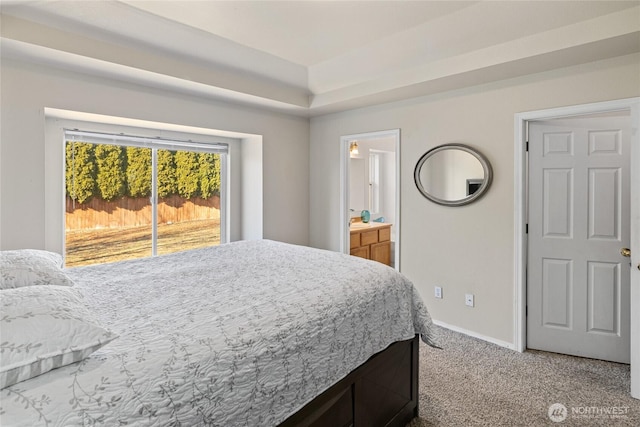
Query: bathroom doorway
x=370, y=181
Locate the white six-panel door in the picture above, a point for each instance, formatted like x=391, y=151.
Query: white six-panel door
x=577, y=280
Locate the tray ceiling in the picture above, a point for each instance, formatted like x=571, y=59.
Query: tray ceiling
x=317, y=57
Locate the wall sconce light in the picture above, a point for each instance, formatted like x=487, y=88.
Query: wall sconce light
x=353, y=148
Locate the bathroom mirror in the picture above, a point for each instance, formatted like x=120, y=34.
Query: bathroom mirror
x=453, y=175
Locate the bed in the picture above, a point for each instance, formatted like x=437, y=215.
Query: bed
x=255, y=333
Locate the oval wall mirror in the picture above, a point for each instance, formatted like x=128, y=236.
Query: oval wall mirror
x=453, y=175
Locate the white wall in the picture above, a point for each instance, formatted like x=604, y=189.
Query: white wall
x=28, y=88
x=466, y=249
x=358, y=185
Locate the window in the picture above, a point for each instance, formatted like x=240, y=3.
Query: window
x=130, y=197
x=374, y=182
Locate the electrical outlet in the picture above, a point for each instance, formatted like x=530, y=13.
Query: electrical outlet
x=468, y=299
x=438, y=292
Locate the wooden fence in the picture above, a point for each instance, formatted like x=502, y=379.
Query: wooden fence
x=132, y=212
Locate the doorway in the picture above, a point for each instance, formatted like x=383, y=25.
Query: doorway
x=631, y=107
x=370, y=181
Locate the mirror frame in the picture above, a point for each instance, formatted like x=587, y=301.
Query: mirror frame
x=486, y=166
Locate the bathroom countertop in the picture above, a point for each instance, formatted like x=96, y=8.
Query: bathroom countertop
x=359, y=226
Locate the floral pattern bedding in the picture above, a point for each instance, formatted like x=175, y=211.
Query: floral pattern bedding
x=243, y=334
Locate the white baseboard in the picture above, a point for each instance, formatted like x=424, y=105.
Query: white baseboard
x=501, y=343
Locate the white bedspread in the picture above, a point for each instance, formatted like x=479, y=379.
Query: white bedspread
x=244, y=334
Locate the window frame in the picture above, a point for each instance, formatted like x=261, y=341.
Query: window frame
x=245, y=168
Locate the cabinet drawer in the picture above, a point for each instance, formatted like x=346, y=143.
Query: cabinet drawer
x=369, y=237
x=362, y=252
x=354, y=240
x=340, y=413
x=381, y=252
x=384, y=234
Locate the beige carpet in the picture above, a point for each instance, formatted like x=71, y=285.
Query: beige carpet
x=474, y=383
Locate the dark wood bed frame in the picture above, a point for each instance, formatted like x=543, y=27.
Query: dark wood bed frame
x=381, y=392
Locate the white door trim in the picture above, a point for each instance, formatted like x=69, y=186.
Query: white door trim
x=344, y=187
x=520, y=216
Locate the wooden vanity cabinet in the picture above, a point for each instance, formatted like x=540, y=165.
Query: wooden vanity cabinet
x=372, y=242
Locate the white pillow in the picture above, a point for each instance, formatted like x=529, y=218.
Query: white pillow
x=30, y=267
x=43, y=328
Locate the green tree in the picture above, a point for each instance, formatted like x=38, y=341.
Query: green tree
x=167, y=184
x=80, y=170
x=138, y=171
x=187, y=173
x=209, y=174
x=110, y=174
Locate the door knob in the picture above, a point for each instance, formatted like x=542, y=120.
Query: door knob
x=625, y=252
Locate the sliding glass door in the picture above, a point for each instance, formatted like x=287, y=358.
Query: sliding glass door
x=130, y=197
x=189, y=215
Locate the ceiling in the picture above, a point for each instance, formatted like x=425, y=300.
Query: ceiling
x=316, y=57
